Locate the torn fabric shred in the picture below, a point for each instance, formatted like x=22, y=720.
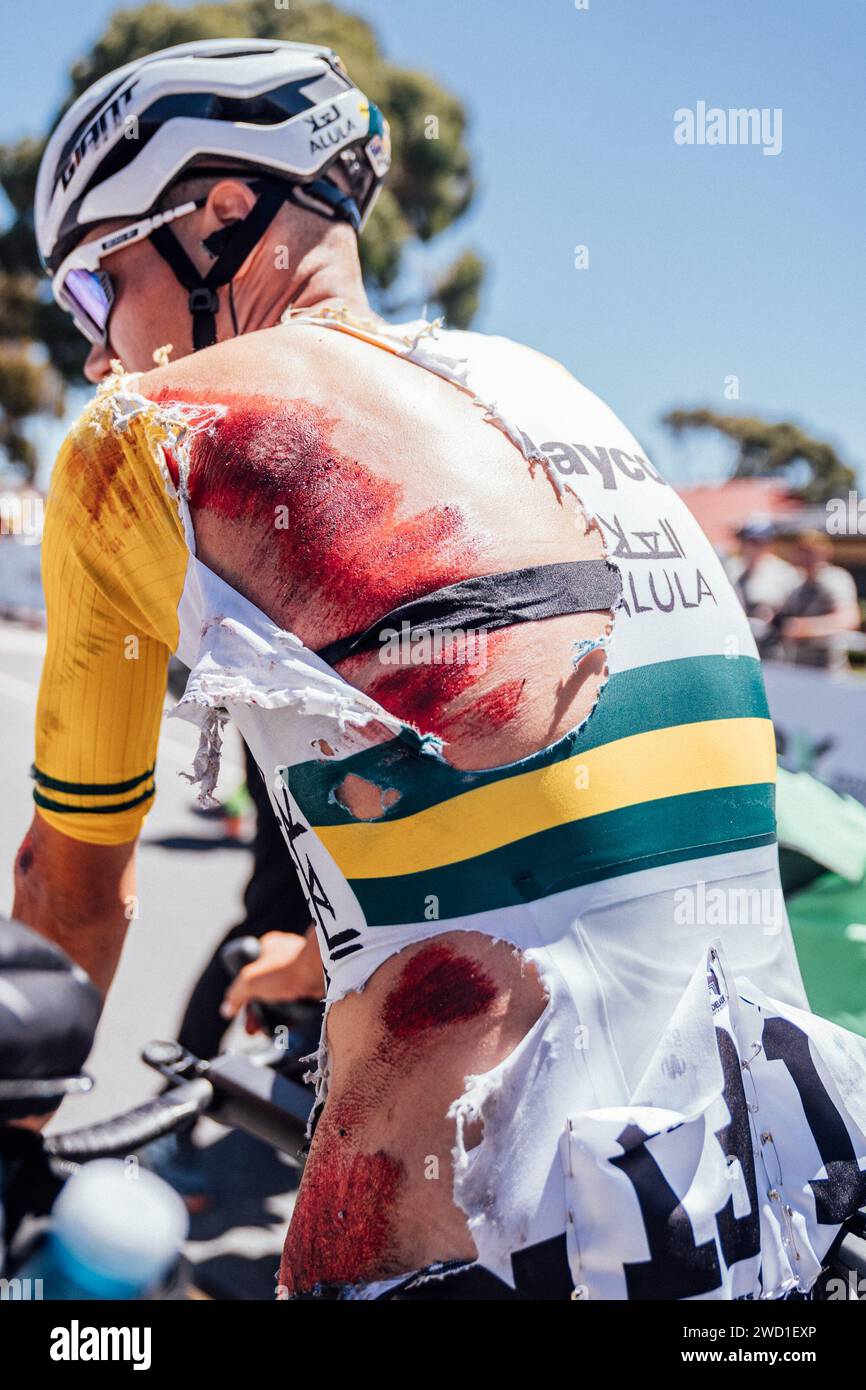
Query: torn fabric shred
x=586, y=645
x=205, y=767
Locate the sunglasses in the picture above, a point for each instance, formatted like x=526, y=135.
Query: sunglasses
x=86, y=291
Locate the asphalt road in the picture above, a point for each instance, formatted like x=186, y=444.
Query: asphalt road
x=190, y=882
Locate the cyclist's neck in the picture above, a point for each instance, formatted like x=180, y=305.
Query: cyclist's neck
x=263, y=291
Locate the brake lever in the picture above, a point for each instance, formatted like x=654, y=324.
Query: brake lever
x=173, y=1062
x=248, y=1093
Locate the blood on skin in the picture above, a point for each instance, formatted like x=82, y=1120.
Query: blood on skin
x=421, y=695
x=24, y=862
x=498, y=706
x=437, y=987
x=345, y=554
x=171, y=466
x=488, y=712
x=342, y=1226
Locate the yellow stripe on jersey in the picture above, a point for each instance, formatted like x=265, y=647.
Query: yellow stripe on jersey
x=643, y=767
x=114, y=563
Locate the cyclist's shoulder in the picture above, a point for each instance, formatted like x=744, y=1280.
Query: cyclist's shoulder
x=103, y=429
x=513, y=357
x=87, y=458
x=274, y=361
x=109, y=478
x=302, y=359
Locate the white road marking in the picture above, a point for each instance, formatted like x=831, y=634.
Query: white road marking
x=20, y=690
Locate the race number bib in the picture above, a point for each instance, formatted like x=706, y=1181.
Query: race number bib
x=742, y=1154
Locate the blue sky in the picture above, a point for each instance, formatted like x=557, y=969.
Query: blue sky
x=705, y=262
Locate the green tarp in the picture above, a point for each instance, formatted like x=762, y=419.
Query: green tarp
x=828, y=920
x=820, y=830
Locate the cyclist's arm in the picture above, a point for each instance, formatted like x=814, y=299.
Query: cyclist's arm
x=76, y=894
x=114, y=562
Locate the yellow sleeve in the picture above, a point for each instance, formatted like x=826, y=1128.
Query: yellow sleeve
x=113, y=566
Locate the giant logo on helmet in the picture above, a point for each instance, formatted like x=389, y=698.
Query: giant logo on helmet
x=100, y=129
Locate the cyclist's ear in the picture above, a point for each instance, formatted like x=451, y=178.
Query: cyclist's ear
x=228, y=201
x=202, y=235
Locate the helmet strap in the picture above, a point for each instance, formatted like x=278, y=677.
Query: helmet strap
x=325, y=198
x=236, y=246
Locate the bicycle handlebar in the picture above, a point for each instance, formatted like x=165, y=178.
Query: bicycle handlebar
x=125, y=1133
x=245, y=1092
x=240, y=1092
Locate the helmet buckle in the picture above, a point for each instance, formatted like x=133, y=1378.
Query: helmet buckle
x=203, y=300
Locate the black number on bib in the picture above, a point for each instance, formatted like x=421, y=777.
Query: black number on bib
x=844, y=1189
x=740, y=1237
x=677, y=1267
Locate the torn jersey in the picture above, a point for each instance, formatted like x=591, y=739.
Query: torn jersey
x=633, y=861
x=490, y=602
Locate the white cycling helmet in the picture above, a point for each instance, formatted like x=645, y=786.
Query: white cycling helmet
x=286, y=111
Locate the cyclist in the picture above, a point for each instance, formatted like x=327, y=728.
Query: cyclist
x=506, y=704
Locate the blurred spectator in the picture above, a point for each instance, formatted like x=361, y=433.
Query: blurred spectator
x=823, y=606
x=762, y=580
x=21, y=517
